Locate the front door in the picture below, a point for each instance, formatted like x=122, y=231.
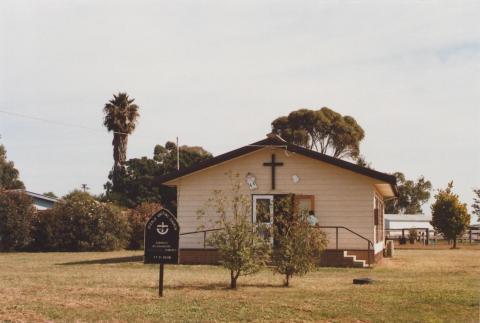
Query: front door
x=263, y=214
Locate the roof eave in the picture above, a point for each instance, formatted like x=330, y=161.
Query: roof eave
x=169, y=179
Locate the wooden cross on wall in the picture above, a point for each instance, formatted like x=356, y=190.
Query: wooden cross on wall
x=273, y=164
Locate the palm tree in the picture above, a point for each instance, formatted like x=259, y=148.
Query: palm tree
x=121, y=116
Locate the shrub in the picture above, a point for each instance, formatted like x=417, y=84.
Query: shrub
x=137, y=218
x=297, y=245
x=44, y=227
x=412, y=235
x=84, y=224
x=242, y=250
x=16, y=212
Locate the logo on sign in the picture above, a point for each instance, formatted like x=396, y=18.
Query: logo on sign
x=162, y=228
x=161, y=238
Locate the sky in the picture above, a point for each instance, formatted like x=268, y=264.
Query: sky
x=216, y=73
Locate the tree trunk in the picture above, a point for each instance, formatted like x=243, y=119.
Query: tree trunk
x=454, y=243
x=119, y=143
x=233, y=280
x=287, y=280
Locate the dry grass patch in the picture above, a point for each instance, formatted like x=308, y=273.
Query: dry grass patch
x=416, y=286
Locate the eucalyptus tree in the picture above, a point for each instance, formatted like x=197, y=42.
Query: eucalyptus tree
x=411, y=195
x=139, y=181
x=324, y=130
x=9, y=175
x=121, y=116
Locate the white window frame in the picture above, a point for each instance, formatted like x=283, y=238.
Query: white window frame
x=254, y=210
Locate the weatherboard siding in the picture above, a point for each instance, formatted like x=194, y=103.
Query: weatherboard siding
x=342, y=197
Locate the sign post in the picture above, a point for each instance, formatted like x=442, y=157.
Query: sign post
x=162, y=234
x=160, y=282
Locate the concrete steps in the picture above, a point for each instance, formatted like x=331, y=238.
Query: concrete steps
x=344, y=258
x=352, y=261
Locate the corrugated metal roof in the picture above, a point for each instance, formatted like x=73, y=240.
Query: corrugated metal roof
x=36, y=195
x=41, y=196
x=408, y=217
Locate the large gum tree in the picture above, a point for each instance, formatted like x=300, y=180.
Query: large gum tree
x=323, y=130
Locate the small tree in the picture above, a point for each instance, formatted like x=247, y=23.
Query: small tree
x=242, y=250
x=16, y=212
x=449, y=215
x=412, y=235
x=297, y=244
x=137, y=218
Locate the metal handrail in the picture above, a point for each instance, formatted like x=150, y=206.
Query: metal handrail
x=204, y=235
x=192, y=232
x=369, y=242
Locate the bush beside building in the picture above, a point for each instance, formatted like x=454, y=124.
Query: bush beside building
x=77, y=222
x=16, y=213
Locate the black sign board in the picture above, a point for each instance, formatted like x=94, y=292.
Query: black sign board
x=161, y=239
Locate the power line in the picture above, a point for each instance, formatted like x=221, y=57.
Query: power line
x=58, y=123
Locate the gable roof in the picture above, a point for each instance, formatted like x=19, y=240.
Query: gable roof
x=276, y=141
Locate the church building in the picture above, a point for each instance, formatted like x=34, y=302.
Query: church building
x=345, y=200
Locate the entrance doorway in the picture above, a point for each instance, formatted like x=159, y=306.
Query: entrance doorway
x=265, y=209
x=263, y=213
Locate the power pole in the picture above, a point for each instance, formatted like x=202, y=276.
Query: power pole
x=85, y=187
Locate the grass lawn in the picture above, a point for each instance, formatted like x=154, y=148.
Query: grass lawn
x=415, y=286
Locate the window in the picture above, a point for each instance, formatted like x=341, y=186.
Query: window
x=305, y=203
x=263, y=215
x=378, y=219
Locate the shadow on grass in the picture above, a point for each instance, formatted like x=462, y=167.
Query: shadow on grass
x=118, y=260
x=221, y=286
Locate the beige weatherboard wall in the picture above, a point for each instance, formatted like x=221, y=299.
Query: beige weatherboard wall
x=342, y=197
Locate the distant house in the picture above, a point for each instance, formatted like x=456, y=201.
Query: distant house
x=41, y=202
x=407, y=221
x=395, y=223
x=474, y=232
